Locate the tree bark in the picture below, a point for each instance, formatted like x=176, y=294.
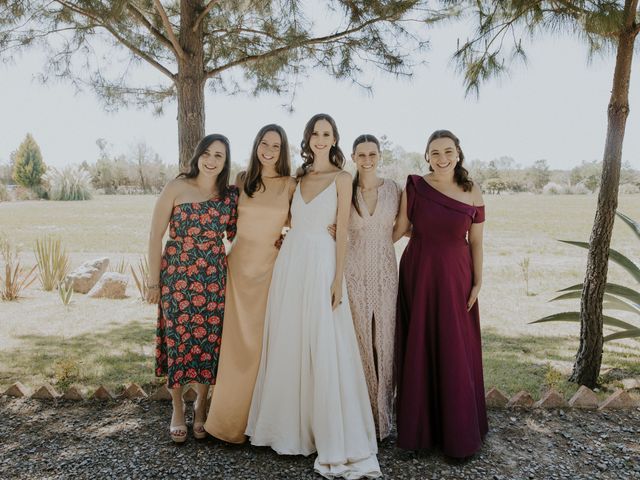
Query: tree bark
x=589, y=357
x=190, y=81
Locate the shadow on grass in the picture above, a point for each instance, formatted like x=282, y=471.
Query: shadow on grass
x=112, y=357
x=124, y=353
x=536, y=363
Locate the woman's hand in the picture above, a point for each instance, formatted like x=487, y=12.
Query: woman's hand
x=332, y=230
x=153, y=294
x=473, y=296
x=336, y=294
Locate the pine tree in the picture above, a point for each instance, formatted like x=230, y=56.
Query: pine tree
x=29, y=167
x=229, y=46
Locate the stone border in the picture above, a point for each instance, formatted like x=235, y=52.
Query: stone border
x=584, y=398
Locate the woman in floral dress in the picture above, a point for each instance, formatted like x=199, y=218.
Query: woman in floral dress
x=188, y=279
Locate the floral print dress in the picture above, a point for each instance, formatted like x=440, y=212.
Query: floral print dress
x=192, y=280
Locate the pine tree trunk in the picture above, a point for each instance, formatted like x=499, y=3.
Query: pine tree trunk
x=190, y=81
x=589, y=356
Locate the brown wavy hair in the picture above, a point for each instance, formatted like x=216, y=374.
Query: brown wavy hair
x=356, y=178
x=336, y=157
x=253, y=176
x=222, y=182
x=460, y=174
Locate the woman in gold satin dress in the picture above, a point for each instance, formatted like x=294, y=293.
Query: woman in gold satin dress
x=266, y=189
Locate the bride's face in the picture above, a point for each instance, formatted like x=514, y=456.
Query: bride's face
x=322, y=138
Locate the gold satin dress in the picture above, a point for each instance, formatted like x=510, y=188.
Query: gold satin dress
x=250, y=265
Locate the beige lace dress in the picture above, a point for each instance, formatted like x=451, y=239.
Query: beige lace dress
x=371, y=274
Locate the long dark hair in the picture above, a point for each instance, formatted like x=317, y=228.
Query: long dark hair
x=356, y=178
x=460, y=174
x=222, y=182
x=253, y=176
x=336, y=157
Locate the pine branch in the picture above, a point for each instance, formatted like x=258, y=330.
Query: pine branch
x=204, y=13
x=167, y=26
x=144, y=21
x=152, y=61
x=309, y=42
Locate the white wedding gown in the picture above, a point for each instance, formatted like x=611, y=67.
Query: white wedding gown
x=310, y=393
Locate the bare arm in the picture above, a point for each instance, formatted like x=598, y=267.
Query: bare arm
x=476, y=233
x=239, y=181
x=402, y=224
x=343, y=185
x=159, y=223
x=291, y=185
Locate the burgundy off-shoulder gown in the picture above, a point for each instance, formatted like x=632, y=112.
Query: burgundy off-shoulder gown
x=440, y=388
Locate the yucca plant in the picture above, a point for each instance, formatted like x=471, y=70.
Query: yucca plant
x=121, y=267
x=72, y=183
x=140, y=275
x=616, y=297
x=15, y=277
x=53, y=262
x=65, y=290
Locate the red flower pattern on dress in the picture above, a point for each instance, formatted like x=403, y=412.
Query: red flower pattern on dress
x=193, y=278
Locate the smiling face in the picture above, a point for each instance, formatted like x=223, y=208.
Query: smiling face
x=211, y=162
x=442, y=156
x=269, y=149
x=366, y=157
x=322, y=138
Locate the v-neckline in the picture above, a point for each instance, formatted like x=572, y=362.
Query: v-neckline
x=317, y=195
x=366, y=207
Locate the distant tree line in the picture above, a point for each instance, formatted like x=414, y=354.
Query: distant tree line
x=142, y=171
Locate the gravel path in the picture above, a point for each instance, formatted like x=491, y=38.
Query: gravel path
x=129, y=440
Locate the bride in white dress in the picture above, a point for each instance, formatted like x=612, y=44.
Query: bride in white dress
x=311, y=394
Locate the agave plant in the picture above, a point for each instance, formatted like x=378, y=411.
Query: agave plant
x=15, y=278
x=52, y=260
x=65, y=290
x=121, y=266
x=140, y=275
x=616, y=297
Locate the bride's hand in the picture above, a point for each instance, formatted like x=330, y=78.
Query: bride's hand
x=336, y=294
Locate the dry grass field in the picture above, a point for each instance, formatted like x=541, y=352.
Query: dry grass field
x=95, y=341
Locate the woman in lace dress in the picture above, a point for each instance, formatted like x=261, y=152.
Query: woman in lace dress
x=371, y=274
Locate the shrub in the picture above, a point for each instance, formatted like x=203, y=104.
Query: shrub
x=629, y=188
x=22, y=193
x=29, y=167
x=53, y=262
x=552, y=188
x=4, y=194
x=72, y=183
x=579, y=189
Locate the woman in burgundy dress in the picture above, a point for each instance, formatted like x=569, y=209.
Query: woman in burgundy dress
x=440, y=388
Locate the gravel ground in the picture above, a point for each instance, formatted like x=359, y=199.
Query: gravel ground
x=130, y=440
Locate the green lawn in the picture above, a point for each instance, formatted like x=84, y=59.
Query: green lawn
x=97, y=341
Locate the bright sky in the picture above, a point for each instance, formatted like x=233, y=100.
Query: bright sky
x=553, y=108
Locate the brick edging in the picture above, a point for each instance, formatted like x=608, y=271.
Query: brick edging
x=584, y=398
